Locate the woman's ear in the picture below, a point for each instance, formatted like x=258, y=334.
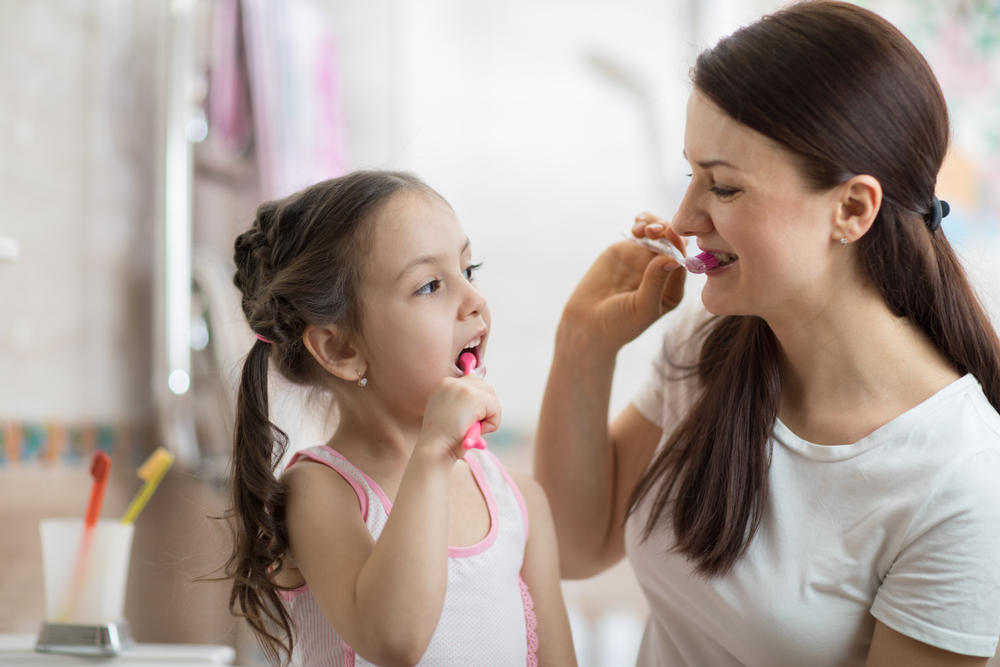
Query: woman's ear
x=332, y=348
x=859, y=203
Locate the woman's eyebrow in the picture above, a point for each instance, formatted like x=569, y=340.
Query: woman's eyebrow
x=708, y=164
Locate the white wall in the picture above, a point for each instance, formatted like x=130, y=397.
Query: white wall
x=507, y=108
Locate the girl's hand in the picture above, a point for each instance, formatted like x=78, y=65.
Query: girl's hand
x=453, y=407
x=627, y=288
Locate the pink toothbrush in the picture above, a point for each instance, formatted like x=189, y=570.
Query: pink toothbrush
x=700, y=263
x=473, y=437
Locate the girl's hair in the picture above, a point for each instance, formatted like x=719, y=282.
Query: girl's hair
x=299, y=264
x=847, y=94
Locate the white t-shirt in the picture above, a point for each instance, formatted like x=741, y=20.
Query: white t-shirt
x=902, y=526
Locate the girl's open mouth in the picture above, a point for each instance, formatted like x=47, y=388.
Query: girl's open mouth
x=474, y=346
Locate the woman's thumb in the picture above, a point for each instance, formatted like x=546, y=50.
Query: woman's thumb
x=654, y=279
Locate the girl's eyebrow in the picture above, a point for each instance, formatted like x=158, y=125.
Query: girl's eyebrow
x=708, y=164
x=428, y=259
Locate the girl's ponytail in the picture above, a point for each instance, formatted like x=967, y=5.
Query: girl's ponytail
x=257, y=512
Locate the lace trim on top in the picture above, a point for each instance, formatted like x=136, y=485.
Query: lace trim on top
x=530, y=623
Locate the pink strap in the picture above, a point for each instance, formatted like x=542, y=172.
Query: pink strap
x=513, y=487
x=312, y=456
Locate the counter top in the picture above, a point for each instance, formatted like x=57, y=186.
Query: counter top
x=20, y=650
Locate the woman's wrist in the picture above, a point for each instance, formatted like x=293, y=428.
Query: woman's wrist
x=575, y=337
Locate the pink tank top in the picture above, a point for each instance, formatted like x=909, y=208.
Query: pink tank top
x=487, y=618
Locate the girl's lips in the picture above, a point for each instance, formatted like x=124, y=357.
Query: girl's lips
x=475, y=347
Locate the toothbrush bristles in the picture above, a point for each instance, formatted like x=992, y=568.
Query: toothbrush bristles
x=708, y=261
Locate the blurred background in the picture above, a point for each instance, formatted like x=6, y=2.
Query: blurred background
x=138, y=137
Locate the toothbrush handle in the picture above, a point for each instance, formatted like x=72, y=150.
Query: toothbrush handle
x=473, y=437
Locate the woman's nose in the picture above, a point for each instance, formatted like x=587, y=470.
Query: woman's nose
x=690, y=218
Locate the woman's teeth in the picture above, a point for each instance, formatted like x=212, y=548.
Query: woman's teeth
x=724, y=257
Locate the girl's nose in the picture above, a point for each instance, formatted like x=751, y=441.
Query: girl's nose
x=475, y=303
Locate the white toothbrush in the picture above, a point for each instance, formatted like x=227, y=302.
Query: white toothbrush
x=663, y=247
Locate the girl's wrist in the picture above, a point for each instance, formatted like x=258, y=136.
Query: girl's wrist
x=432, y=453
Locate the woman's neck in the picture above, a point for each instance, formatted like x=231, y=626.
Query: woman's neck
x=852, y=366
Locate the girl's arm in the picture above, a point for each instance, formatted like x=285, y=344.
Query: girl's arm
x=587, y=469
x=385, y=598
x=540, y=572
x=891, y=649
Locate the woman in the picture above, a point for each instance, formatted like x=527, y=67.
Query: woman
x=810, y=476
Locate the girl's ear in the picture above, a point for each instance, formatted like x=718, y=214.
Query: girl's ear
x=859, y=203
x=331, y=347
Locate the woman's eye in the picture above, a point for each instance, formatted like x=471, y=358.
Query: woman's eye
x=430, y=287
x=471, y=270
x=722, y=193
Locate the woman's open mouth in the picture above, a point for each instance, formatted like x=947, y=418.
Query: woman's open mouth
x=724, y=258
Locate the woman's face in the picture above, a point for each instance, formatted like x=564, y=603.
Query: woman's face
x=747, y=197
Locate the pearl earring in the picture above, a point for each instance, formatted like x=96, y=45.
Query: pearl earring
x=843, y=242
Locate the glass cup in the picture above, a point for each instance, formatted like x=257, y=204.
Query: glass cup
x=85, y=571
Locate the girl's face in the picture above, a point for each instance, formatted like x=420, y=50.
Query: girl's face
x=747, y=198
x=421, y=307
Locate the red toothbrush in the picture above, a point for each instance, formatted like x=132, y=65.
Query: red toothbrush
x=473, y=437
x=100, y=466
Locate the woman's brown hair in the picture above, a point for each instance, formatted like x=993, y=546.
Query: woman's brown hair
x=847, y=94
x=299, y=264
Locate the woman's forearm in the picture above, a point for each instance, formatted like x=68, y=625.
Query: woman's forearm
x=574, y=460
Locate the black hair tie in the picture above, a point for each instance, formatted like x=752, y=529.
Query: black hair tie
x=939, y=210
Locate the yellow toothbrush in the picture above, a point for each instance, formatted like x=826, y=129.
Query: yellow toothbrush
x=152, y=471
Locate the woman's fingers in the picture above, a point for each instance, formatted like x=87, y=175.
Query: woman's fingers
x=661, y=289
x=654, y=227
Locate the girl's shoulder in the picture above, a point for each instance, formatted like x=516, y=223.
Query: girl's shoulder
x=322, y=471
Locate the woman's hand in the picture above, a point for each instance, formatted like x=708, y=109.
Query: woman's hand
x=627, y=289
x=453, y=407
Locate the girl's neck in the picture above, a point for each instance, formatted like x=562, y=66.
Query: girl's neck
x=852, y=366
x=367, y=430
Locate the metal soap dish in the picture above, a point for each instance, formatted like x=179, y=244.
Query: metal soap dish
x=106, y=639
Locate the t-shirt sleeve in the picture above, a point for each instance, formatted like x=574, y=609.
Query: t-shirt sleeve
x=671, y=384
x=944, y=586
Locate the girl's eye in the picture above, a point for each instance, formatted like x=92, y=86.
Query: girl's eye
x=471, y=270
x=430, y=287
x=722, y=193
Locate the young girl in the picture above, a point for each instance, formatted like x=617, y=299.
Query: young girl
x=392, y=544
